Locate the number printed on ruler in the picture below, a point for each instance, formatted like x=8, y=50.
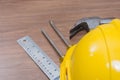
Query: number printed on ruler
x=40, y=58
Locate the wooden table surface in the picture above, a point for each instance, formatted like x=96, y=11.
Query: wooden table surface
x=19, y=18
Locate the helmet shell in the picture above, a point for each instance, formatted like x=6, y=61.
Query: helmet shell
x=97, y=55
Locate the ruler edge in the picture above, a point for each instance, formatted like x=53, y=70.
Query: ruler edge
x=43, y=54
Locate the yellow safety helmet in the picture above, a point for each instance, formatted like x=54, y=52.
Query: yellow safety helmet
x=96, y=56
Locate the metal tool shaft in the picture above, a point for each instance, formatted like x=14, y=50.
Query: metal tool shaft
x=52, y=43
x=59, y=33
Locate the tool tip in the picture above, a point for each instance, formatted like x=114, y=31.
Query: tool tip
x=43, y=31
x=51, y=21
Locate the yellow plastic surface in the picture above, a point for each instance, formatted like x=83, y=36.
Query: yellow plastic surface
x=96, y=56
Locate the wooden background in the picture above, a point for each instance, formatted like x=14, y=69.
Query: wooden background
x=19, y=18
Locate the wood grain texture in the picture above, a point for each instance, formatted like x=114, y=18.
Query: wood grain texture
x=19, y=18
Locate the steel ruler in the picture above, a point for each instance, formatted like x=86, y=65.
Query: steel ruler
x=40, y=58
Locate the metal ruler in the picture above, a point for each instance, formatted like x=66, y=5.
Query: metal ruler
x=40, y=58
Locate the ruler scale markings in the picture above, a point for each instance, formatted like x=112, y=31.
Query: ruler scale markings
x=40, y=58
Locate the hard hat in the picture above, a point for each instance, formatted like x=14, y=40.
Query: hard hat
x=96, y=56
